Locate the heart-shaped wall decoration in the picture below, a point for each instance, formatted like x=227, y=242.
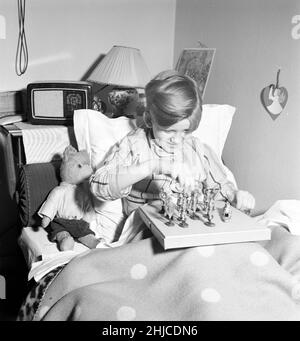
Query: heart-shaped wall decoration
x=274, y=98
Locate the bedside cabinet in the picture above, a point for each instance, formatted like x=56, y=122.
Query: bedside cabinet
x=21, y=143
x=13, y=269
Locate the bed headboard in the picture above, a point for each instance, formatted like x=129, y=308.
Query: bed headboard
x=8, y=176
x=34, y=184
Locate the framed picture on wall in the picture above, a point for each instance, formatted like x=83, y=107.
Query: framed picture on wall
x=196, y=63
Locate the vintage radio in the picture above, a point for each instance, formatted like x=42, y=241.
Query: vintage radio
x=55, y=102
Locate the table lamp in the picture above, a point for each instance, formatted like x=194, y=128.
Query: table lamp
x=125, y=69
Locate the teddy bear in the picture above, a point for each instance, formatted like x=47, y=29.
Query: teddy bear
x=68, y=209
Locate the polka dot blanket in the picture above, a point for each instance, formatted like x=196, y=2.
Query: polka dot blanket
x=142, y=282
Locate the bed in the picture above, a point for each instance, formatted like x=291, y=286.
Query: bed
x=134, y=278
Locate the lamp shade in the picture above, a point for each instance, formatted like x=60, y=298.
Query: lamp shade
x=122, y=66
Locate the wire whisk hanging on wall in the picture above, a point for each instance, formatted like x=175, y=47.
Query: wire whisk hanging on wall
x=21, y=62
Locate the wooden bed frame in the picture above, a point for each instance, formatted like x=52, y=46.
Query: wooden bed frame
x=12, y=264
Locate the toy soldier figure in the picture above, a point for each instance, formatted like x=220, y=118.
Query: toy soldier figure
x=194, y=201
x=169, y=209
x=183, y=209
x=210, y=200
x=163, y=198
x=227, y=212
x=210, y=216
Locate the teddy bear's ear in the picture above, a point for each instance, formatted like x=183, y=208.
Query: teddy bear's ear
x=69, y=151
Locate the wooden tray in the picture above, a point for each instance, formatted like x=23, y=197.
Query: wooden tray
x=241, y=228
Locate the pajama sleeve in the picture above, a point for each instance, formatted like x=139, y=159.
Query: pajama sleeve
x=216, y=174
x=103, y=182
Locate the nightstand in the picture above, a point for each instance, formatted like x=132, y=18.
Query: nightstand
x=22, y=143
x=12, y=264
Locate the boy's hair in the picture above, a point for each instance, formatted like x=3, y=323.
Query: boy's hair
x=172, y=97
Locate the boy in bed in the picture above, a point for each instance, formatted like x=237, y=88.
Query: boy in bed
x=164, y=152
x=239, y=283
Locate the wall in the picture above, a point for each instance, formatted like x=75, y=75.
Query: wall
x=252, y=38
x=66, y=37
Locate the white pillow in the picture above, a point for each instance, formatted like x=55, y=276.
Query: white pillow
x=214, y=126
x=97, y=133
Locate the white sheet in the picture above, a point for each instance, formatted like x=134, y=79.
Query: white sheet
x=37, y=248
x=41, y=255
x=285, y=213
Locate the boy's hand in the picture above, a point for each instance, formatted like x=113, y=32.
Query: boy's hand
x=244, y=201
x=185, y=175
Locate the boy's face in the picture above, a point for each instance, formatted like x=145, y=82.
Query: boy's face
x=171, y=137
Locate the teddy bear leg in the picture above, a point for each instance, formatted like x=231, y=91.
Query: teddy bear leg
x=65, y=241
x=89, y=240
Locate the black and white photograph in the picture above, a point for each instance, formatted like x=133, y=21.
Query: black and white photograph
x=149, y=164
